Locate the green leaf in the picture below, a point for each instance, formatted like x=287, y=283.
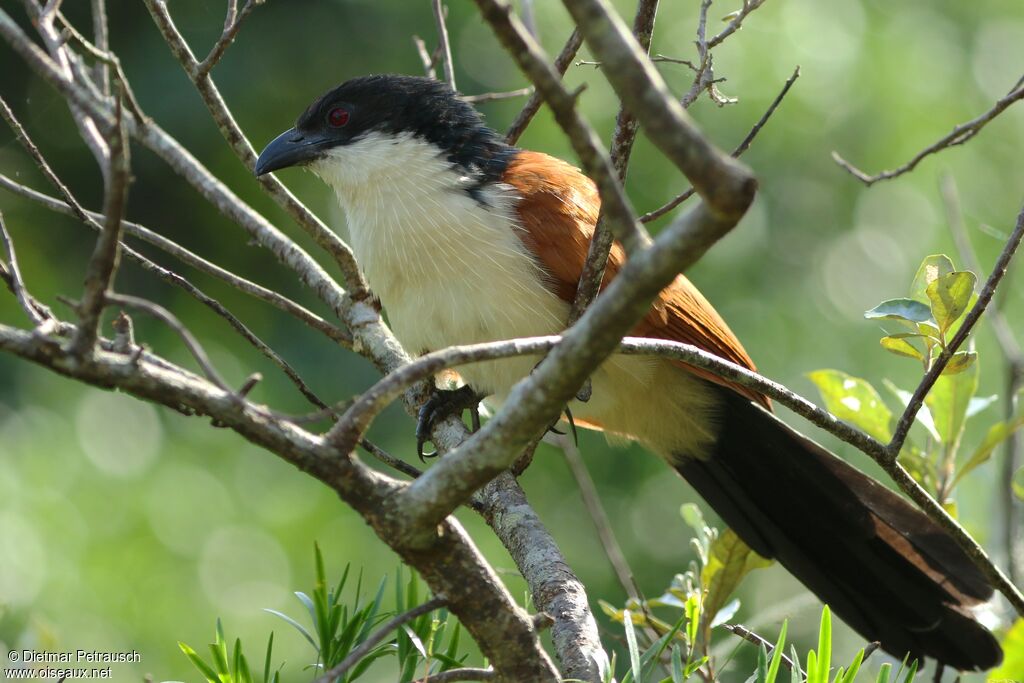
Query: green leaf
x=901, y=347
x=883, y=673
x=1017, y=483
x=299, y=627
x=960, y=361
x=997, y=433
x=950, y=294
x=854, y=400
x=729, y=560
x=634, y=651
x=850, y=676
x=677, y=665
x=929, y=271
x=1012, y=668
x=904, y=310
x=948, y=402
x=266, y=661
x=825, y=645
x=198, y=662
x=773, y=668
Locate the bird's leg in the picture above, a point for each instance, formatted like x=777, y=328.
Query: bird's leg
x=444, y=403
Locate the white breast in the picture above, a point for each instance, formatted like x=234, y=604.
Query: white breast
x=450, y=269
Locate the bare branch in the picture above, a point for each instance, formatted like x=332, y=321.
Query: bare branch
x=466, y=674
x=736, y=153
x=169, y=319
x=100, y=32
x=592, y=502
x=425, y=57
x=99, y=275
x=987, y=292
x=226, y=38
x=442, y=36
x=17, y=284
x=229, y=128
x=751, y=637
x=959, y=135
x=554, y=587
x=736, y=22
x=726, y=186
x=377, y=637
x=1014, y=360
x=491, y=96
x=537, y=67
x=532, y=106
x=93, y=220
x=626, y=127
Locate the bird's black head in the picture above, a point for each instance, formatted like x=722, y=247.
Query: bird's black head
x=388, y=104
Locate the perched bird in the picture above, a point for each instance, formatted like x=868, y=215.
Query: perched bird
x=466, y=239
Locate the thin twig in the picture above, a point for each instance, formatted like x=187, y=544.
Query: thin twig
x=1014, y=361
x=93, y=220
x=446, y=48
x=425, y=57
x=232, y=132
x=101, y=36
x=751, y=637
x=226, y=38
x=592, y=501
x=959, y=135
x=736, y=153
x=378, y=637
x=105, y=57
x=534, y=63
x=99, y=275
x=389, y=460
x=492, y=96
x=626, y=127
x=452, y=675
x=736, y=23
x=532, y=106
x=169, y=319
x=17, y=284
x=987, y=292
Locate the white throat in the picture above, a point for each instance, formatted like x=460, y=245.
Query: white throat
x=448, y=265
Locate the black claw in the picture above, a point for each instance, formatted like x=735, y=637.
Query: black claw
x=443, y=403
x=572, y=425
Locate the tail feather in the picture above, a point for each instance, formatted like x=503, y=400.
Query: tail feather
x=882, y=565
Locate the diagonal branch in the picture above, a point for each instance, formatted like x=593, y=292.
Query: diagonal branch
x=532, y=106
x=15, y=281
x=736, y=153
x=444, y=45
x=958, y=136
x=232, y=132
x=99, y=275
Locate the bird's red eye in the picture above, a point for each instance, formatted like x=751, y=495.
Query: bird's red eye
x=338, y=117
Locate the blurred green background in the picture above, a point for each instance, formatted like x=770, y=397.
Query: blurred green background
x=124, y=526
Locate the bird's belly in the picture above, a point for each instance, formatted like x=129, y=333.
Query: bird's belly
x=452, y=311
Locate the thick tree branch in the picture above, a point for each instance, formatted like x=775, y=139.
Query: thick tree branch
x=450, y=565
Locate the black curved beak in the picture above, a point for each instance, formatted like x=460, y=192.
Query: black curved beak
x=290, y=148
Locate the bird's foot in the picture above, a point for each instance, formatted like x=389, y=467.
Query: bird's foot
x=444, y=403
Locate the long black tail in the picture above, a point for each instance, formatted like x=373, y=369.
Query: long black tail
x=880, y=564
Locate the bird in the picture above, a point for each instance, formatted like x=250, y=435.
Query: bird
x=466, y=239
